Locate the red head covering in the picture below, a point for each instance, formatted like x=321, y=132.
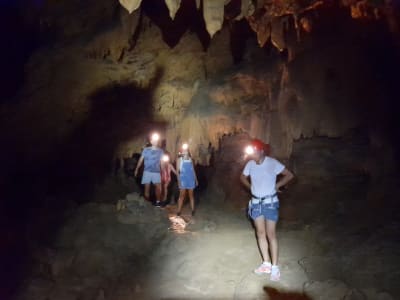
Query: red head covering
x=260, y=145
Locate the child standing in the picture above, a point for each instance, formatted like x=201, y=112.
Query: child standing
x=151, y=157
x=187, y=179
x=166, y=168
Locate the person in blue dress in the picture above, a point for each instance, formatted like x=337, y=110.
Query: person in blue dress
x=187, y=179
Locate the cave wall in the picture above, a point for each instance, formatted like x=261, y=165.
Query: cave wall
x=116, y=78
x=99, y=79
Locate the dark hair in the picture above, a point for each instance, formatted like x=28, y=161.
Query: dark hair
x=180, y=154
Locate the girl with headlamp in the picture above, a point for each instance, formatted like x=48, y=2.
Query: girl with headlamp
x=187, y=179
x=262, y=171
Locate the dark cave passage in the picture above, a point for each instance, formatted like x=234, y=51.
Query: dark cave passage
x=38, y=194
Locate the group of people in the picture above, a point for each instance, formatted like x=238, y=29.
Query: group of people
x=157, y=171
x=259, y=176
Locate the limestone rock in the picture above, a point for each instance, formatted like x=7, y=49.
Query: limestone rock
x=130, y=5
x=100, y=295
x=247, y=9
x=133, y=197
x=326, y=290
x=355, y=294
x=121, y=205
x=62, y=261
x=173, y=6
x=277, y=33
x=210, y=226
x=36, y=289
x=213, y=13
x=262, y=26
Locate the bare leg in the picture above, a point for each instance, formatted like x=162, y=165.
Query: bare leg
x=158, y=191
x=191, y=197
x=147, y=191
x=262, y=237
x=164, y=191
x=273, y=241
x=182, y=194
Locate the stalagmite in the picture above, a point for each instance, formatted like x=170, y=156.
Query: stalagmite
x=130, y=5
x=173, y=6
x=213, y=12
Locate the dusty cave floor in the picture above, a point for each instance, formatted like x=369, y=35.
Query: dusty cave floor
x=143, y=252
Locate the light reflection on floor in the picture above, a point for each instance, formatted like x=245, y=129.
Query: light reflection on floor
x=179, y=224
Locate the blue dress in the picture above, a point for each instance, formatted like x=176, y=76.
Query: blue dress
x=186, y=174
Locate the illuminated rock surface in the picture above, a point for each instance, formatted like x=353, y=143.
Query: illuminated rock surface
x=322, y=90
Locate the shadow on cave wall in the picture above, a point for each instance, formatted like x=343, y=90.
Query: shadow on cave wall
x=359, y=63
x=119, y=113
x=36, y=196
x=21, y=39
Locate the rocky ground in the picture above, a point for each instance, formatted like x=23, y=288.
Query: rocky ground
x=132, y=250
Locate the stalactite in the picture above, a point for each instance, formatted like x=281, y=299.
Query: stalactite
x=277, y=33
x=130, y=5
x=213, y=13
x=262, y=15
x=173, y=6
x=262, y=27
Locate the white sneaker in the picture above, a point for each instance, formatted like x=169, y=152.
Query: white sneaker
x=264, y=268
x=275, y=273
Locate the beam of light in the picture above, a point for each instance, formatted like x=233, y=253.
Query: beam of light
x=178, y=224
x=249, y=150
x=155, y=137
x=201, y=261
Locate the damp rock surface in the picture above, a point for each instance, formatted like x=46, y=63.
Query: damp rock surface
x=136, y=250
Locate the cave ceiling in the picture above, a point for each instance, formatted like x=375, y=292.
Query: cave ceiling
x=270, y=19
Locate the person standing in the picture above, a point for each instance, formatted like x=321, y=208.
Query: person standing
x=262, y=171
x=166, y=169
x=187, y=178
x=151, y=156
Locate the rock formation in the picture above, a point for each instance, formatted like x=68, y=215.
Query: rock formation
x=267, y=17
x=307, y=77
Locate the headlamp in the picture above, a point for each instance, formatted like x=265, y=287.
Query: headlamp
x=165, y=158
x=155, y=137
x=249, y=150
x=185, y=146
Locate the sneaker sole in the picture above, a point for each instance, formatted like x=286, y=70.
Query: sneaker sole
x=261, y=273
x=275, y=279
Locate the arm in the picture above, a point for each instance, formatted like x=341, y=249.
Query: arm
x=194, y=174
x=139, y=164
x=178, y=170
x=178, y=165
x=286, y=177
x=245, y=180
x=173, y=169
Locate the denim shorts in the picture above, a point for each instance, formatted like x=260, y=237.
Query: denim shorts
x=270, y=211
x=151, y=177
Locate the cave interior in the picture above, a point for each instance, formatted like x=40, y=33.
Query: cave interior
x=85, y=83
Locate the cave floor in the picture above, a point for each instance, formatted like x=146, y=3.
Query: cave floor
x=143, y=252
